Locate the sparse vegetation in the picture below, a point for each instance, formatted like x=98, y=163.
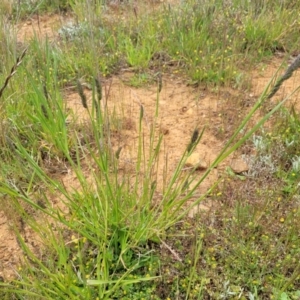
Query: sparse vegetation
x=118, y=233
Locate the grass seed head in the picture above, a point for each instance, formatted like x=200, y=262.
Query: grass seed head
x=98, y=88
x=288, y=73
x=45, y=91
x=44, y=110
x=159, y=80
x=82, y=94
x=13, y=71
x=141, y=112
x=118, y=152
x=194, y=139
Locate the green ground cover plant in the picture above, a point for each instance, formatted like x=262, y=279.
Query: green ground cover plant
x=111, y=238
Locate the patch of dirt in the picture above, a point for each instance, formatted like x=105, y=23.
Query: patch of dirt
x=45, y=26
x=181, y=110
x=10, y=251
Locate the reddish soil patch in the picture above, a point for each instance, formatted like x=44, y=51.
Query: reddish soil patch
x=10, y=251
x=181, y=110
x=45, y=26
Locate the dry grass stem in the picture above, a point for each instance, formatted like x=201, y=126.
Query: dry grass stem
x=176, y=256
x=13, y=71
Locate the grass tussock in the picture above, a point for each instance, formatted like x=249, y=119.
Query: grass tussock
x=211, y=43
x=118, y=235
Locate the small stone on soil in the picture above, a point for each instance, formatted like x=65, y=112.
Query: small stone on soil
x=195, y=161
x=239, y=166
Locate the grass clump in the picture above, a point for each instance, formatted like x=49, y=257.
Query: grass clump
x=113, y=224
x=115, y=235
x=21, y=9
x=211, y=42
